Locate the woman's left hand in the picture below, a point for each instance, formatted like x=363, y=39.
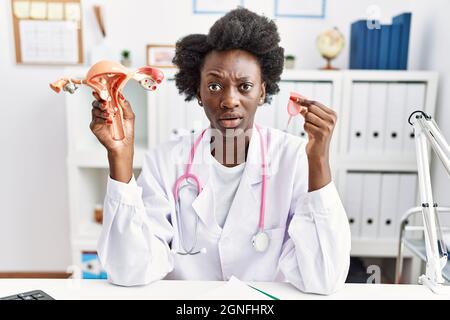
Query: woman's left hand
x=319, y=125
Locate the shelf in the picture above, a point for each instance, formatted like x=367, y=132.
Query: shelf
x=309, y=75
x=160, y=113
x=360, y=247
x=88, y=189
x=97, y=158
x=376, y=248
x=392, y=164
x=88, y=231
x=358, y=75
x=390, y=75
x=85, y=244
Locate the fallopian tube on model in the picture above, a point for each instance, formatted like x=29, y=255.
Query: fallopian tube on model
x=108, y=78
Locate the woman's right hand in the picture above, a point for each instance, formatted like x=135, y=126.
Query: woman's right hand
x=120, y=153
x=102, y=121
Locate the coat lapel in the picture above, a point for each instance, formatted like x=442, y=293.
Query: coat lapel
x=204, y=203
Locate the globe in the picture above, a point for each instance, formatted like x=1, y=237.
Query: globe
x=330, y=43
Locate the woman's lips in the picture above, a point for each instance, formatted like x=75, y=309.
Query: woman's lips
x=230, y=123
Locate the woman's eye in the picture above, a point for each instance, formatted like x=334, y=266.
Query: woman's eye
x=246, y=86
x=214, y=87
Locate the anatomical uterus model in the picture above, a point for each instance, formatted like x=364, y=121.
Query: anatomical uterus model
x=108, y=78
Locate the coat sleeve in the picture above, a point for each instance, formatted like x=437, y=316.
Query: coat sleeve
x=134, y=245
x=316, y=256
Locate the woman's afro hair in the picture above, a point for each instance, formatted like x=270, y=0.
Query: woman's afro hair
x=238, y=29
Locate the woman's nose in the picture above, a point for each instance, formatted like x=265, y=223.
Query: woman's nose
x=230, y=99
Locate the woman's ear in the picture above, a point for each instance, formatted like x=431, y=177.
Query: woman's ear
x=199, y=99
x=262, y=97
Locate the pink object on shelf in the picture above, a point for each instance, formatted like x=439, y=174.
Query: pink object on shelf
x=108, y=78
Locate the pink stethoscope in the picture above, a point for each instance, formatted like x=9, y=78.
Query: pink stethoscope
x=260, y=240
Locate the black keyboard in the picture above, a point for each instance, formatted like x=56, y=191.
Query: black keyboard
x=30, y=295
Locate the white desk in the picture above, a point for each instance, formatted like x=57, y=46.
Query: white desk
x=188, y=290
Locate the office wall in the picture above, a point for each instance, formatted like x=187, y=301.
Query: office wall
x=33, y=190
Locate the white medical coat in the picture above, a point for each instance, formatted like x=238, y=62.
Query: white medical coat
x=309, y=231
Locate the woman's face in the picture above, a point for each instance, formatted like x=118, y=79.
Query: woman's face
x=231, y=89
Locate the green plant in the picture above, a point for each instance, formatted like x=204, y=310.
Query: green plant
x=125, y=54
x=289, y=57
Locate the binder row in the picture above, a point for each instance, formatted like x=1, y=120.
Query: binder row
x=380, y=46
x=375, y=202
x=377, y=121
x=379, y=113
